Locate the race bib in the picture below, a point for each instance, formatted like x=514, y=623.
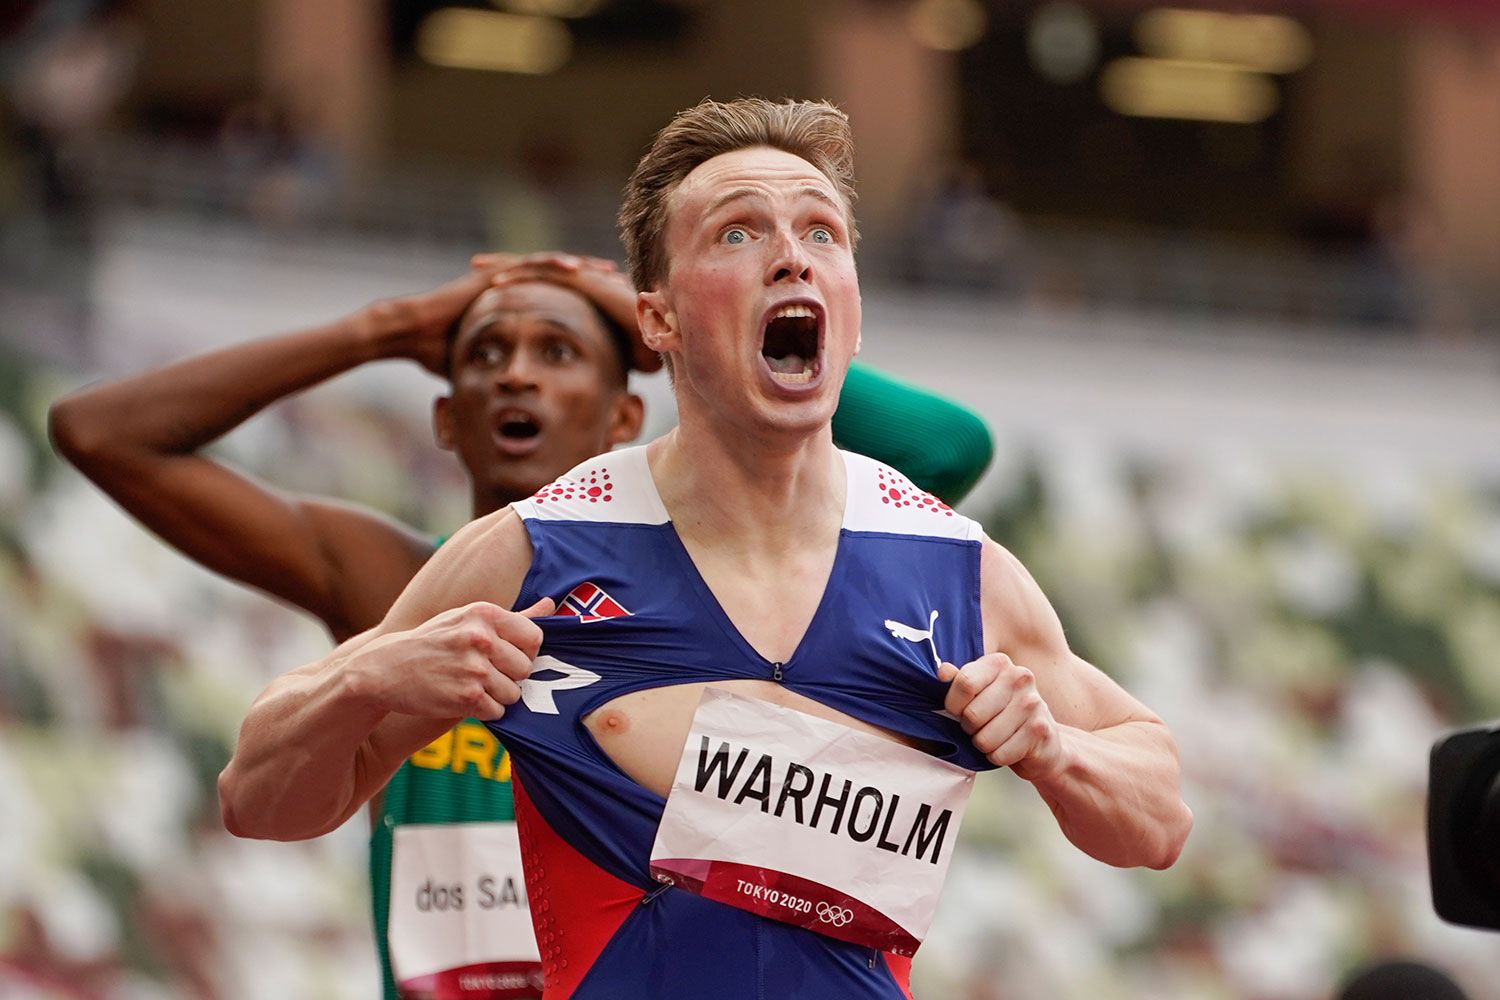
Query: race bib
x=460, y=927
x=810, y=822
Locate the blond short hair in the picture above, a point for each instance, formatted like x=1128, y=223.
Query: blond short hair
x=814, y=130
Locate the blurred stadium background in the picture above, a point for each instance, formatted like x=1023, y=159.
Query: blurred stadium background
x=1223, y=277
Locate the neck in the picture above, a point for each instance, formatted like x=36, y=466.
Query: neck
x=757, y=495
x=484, y=502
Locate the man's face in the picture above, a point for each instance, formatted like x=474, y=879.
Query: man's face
x=537, y=389
x=760, y=307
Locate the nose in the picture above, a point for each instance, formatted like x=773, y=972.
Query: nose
x=519, y=371
x=789, y=260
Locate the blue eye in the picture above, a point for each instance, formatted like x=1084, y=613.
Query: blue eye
x=735, y=236
x=821, y=235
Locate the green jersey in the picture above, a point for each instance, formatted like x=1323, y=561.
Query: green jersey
x=463, y=777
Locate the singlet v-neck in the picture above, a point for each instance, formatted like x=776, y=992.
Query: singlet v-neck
x=635, y=613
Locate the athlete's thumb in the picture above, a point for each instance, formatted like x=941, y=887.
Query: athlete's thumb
x=541, y=609
x=947, y=671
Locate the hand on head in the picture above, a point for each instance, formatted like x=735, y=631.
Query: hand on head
x=424, y=321
x=596, y=278
x=545, y=264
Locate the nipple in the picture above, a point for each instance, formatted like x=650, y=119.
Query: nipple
x=614, y=722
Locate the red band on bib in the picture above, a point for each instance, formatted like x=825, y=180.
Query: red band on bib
x=484, y=981
x=788, y=898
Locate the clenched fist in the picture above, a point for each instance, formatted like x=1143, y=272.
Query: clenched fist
x=465, y=662
x=997, y=703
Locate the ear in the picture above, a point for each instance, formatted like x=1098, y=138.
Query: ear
x=657, y=321
x=625, y=421
x=442, y=422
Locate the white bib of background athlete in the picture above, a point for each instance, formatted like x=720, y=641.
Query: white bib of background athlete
x=810, y=822
x=459, y=922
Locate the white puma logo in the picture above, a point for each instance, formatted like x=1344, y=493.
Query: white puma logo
x=913, y=634
x=537, y=694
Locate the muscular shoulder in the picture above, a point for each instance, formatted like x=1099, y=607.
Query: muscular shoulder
x=494, y=543
x=1018, y=618
x=485, y=560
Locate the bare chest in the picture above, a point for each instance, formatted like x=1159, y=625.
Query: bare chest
x=643, y=732
x=772, y=605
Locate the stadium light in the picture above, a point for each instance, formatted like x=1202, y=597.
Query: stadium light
x=1267, y=43
x=948, y=25
x=550, y=8
x=1176, y=88
x=466, y=38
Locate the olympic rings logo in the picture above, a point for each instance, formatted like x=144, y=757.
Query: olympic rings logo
x=838, y=916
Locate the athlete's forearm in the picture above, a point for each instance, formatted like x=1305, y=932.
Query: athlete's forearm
x=941, y=446
x=1118, y=797
x=325, y=738
x=184, y=406
x=304, y=761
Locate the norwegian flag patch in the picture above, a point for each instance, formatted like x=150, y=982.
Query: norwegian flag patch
x=591, y=604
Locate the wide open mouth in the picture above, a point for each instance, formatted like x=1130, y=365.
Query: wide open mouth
x=790, y=344
x=517, y=425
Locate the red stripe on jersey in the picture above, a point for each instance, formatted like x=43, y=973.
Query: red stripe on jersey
x=576, y=906
x=900, y=967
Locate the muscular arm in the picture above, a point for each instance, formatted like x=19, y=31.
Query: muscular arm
x=943, y=447
x=141, y=440
x=324, y=738
x=1105, y=764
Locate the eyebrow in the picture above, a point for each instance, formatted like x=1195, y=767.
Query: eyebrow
x=489, y=322
x=739, y=194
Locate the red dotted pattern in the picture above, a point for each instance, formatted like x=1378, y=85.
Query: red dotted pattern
x=548, y=934
x=899, y=492
x=597, y=489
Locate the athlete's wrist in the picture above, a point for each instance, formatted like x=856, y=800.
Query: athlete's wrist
x=1054, y=762
x=385, y=329
x=361, y=685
